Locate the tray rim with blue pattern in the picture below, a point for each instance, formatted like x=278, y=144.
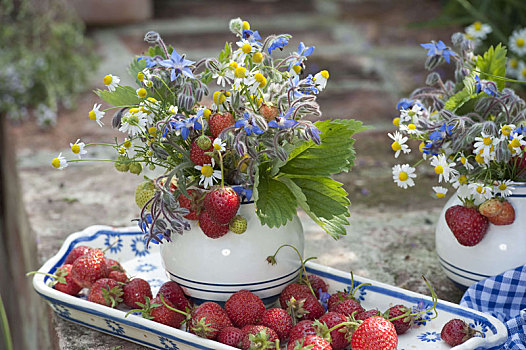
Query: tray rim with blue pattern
x=158, y=336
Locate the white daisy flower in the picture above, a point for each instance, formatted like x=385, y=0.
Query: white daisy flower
x=517, y=42
x=399, y=143
x=219, y=145
x=96, y=114
x=443, y=168
x=412, y=115
x=478, y=30
x=520, y=73
x=78, y=148
x=465, y=162
x=244, y=77
x=245, y=48
x=480, y=192
x=516, y=144
x=321, y=79
x=464, y=192
x=485, y=147
x=173, y=109
x=208, y=175
x=133, y=123
x=458, y=180
x=440, y=191
x=512, y=67
x=59, y=162
x=410, y=129
x=403, y=175
x=505, y=131
x=503, y=188
x=111, y=81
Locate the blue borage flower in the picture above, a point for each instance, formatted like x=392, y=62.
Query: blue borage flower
x=150, y=62
x=300, y=55
x=487, y=86
x=284, y=121
x=186, y=125
x=278, y=43
x=404, y=103
x=324, y=299
x=303, y=87
x=252, y=36
x=248, y=125
x=179, y=65
x=245, y=194
x=438, y=49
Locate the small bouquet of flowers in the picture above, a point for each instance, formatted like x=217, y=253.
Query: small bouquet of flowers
x=254, y=140
x=471, y=130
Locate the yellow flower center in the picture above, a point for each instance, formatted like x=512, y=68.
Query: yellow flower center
x=411, y=126
x=108, y=79
x=217, y=146
x=140, y=76
x=207, y=170
x=297, y=69
x=127, y=144
x=233, y=65
x=206, y=113
x=92, y=115
x=505, y=130
x=462, y=179
x=324, y=74
x=487, y=141
x=403, y=176
x=514, y=63
x=246, y=48
x=396, y=146
x=515, y=143
x=479, y=159
x=440, y=195
x=481, y=189
x=520, y=42
x=523, y=72
x=259, y=77
x=122, y=150
x=75, y=148
x=152, y=130
x=219, y=97
x=439, y=169
x=133, y=110
x=56, y=163
x=396, y=121
x=151, y=99
x=477, y=25
x=239, y=72
x=257, y=57
x=142, y=92
x=246, y=25
x=502, y=187
x=263, y=82
x=463, y=160
x=421, y=147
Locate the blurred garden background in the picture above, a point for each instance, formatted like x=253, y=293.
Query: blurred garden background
x=53, y=53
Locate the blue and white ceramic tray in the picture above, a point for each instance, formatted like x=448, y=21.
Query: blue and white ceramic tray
x=131, y=252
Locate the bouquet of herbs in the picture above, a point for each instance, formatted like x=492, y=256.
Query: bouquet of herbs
x=252, y=141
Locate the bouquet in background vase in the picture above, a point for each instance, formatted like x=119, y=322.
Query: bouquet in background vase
x=251, y=142
x=472, y=136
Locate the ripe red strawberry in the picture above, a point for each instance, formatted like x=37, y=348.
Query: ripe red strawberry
x=231, y=336
x=219, y=122
x=118, y=276
x=467, y=224
x=269, y=112
x=366, y=314
x=75, y=253
x=88, y=268
x=162, y=314
x=172, y=291
x=310, y=342
x=211, y=228
x=293, y=290
x=347, y=307
x=505, y=217
x=317, y=283
x=193, y=203
x=340, y=337
x=456, y=332
x=244, y=308
x=401, y=325
x=106, y=291
x=64, y=282
x=337, y=298
x=375, y=333
x=279, y=320
x=198, y=156
x=113, y=265
x=208, y=319
x=263, y=336
x=307, y=308
x=301, y=330
x=136, y=291
x=222, y=204
x=491, y=207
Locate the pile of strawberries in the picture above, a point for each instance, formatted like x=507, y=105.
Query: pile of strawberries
x=470, y=223
x=308, y=317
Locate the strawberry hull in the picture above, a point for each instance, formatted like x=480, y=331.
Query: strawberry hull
x=146, y=264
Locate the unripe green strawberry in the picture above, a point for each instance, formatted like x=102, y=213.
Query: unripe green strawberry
x=238, y=224
x=143, y=193
x=135, y=168
x=121, y=165
x=204, y=142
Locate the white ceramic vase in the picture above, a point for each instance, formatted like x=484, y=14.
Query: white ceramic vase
x=213, y=269
x=501, y=249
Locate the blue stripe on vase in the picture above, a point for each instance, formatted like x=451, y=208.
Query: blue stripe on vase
x=236, y=284
x=445, y=267
x=518, y=195
x=463, y=270
x=233, y=291
x=402, y=296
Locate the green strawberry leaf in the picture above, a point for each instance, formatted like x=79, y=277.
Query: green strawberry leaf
x=122, y=96
x=335, y=153
x=275, y=203
x=223, y=55
x=493, y=62
x=136, y=67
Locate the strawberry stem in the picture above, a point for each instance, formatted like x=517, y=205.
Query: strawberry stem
x=221, y=165
x=346, y=323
